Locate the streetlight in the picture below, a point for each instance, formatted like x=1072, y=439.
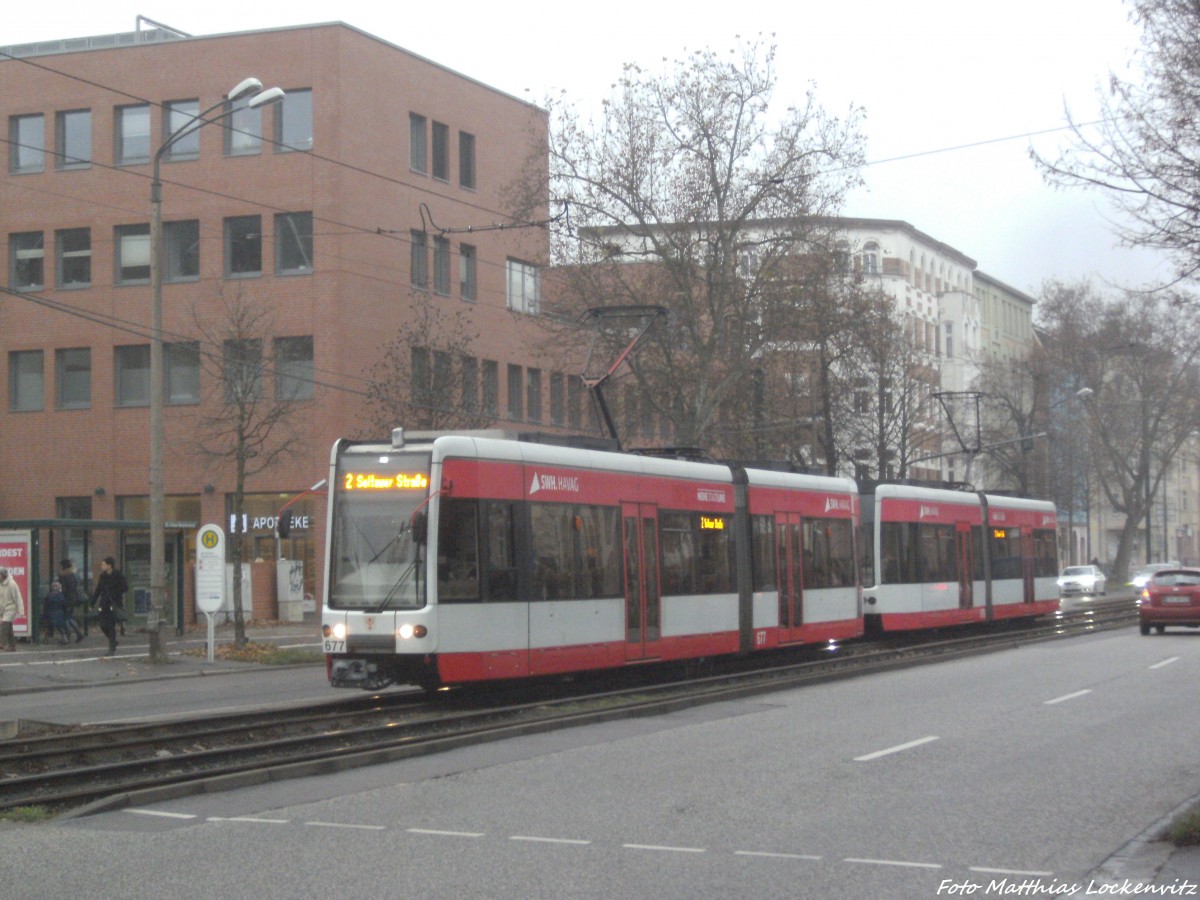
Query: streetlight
x=156, y=622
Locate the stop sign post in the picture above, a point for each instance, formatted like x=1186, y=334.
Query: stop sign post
x=210, y=575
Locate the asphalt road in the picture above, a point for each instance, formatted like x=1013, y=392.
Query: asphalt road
x=1029, y=766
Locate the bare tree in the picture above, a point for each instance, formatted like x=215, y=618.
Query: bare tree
x=427, y=377
x=1137, y=356
x=248, y=424
x=1144, y=153
x=690, y=193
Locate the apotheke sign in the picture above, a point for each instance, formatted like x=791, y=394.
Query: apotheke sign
x=247, y=524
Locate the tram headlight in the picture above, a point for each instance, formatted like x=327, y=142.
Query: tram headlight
x=339, y=631
x=408, y=631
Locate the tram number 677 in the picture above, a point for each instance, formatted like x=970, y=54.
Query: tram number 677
x=332, y=646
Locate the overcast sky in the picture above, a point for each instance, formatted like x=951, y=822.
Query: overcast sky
x=932, y=75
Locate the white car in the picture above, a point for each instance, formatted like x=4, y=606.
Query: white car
x=1081, y=580
x=1142, y=575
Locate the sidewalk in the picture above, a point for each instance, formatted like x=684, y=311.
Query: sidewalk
x=53, y=666
x=1149, y=865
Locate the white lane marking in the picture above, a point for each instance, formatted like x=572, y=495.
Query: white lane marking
x=774, y=855
x=1165, y=662
x=159, y=812
x=894, y=862
x=298, y=646
x=1066, y=697
x=346, y=825
x=546, y=840
x=254, y=819
x=471, y=834
x=984, y=870
x=897, y=749
x=663, y=848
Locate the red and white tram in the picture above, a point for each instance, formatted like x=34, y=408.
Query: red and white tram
x=935, y=557
x=460, y=558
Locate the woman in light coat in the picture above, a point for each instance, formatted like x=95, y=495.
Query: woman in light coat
x=12, y=607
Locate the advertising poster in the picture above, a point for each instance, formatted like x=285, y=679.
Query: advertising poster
x=14, y=556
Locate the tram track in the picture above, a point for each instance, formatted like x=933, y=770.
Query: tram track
x=89, y=769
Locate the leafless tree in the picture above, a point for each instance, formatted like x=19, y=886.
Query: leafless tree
x=1137, y=357
x=427, y=377
x=691, y=192
x=247, y=419
x=1144, y=153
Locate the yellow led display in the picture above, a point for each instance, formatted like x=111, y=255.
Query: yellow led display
x=710, y=523
x=378, y=481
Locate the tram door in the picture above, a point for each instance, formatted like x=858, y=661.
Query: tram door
x=789, y=557
x=1027, y=565
x=643, y=625
x=966, y=566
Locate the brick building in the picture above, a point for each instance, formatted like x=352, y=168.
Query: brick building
x=319, y=211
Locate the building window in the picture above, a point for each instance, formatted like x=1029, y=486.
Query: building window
x=74, y=249
x=293, y=243
x=533, y=395
x=515, y=391
x=294, y=121
x=420, y=261
x=490, y=388
x=181, y=364
x=26, y=255
x=469, y=381
x=26, y=144
x=870, y=258
x=243, y=135
x=466, y=160
x=441, y=151
x=131, y=134
x=441, y=265
x=294, y=368
x=421, y=376
x=181, y=246
x=73, y=139
x=243, y=370
x=132, y=254
x=441, y=380
x=416, y=143
x=524, y=287
x=73, y=378
x=575, y=402
x=466, y=271
x=243, y=246
x=178, y=115
x=556, y=399
x=25, y=381
x=131, y=375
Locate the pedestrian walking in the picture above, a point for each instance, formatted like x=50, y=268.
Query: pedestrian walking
x=108, y=598
x=12, y=607
x=54, y=611
x=71, y=593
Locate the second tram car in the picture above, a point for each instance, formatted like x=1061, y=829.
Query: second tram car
x=465, y=557
x=936, y=557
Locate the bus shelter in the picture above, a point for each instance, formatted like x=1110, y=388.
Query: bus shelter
x=32, y=549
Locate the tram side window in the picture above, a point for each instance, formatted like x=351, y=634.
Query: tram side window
x=695, y=553
x=500, y=550
x=977, y=550
x=762, y=553
x=898, y=553
x=576, y=551
x=828, y=553
x=677, y=553
x=1005, y=549
x=938, y=559
x=458, y=551
x=1045, y=553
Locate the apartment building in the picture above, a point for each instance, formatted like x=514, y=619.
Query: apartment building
x=363, y=204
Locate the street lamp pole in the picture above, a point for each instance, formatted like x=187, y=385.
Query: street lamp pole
x=157, y=620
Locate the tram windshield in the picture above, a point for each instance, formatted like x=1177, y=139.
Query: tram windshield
x=375, y=560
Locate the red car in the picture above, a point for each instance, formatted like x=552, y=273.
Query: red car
x=1170, y=597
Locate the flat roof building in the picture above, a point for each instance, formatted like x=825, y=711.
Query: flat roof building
x=358, y=214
